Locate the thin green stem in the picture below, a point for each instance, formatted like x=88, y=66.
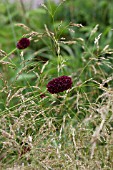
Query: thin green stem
x=11, y=21
x=8, y=54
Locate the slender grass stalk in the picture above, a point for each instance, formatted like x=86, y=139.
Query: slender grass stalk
x=8, y=54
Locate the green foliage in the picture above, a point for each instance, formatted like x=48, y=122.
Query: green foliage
x=72, y=129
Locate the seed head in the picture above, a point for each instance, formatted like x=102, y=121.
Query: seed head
x=59, y=84
x=23, y=43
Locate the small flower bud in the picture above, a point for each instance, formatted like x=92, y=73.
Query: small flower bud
x=23, y=43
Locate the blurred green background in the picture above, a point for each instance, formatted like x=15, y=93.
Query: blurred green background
x=88, y=13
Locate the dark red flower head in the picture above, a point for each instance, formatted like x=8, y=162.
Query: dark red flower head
x=23, y=43
x=59, y=84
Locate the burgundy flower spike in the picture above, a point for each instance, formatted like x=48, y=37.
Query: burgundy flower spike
x=59, y=84
x=23, y=43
